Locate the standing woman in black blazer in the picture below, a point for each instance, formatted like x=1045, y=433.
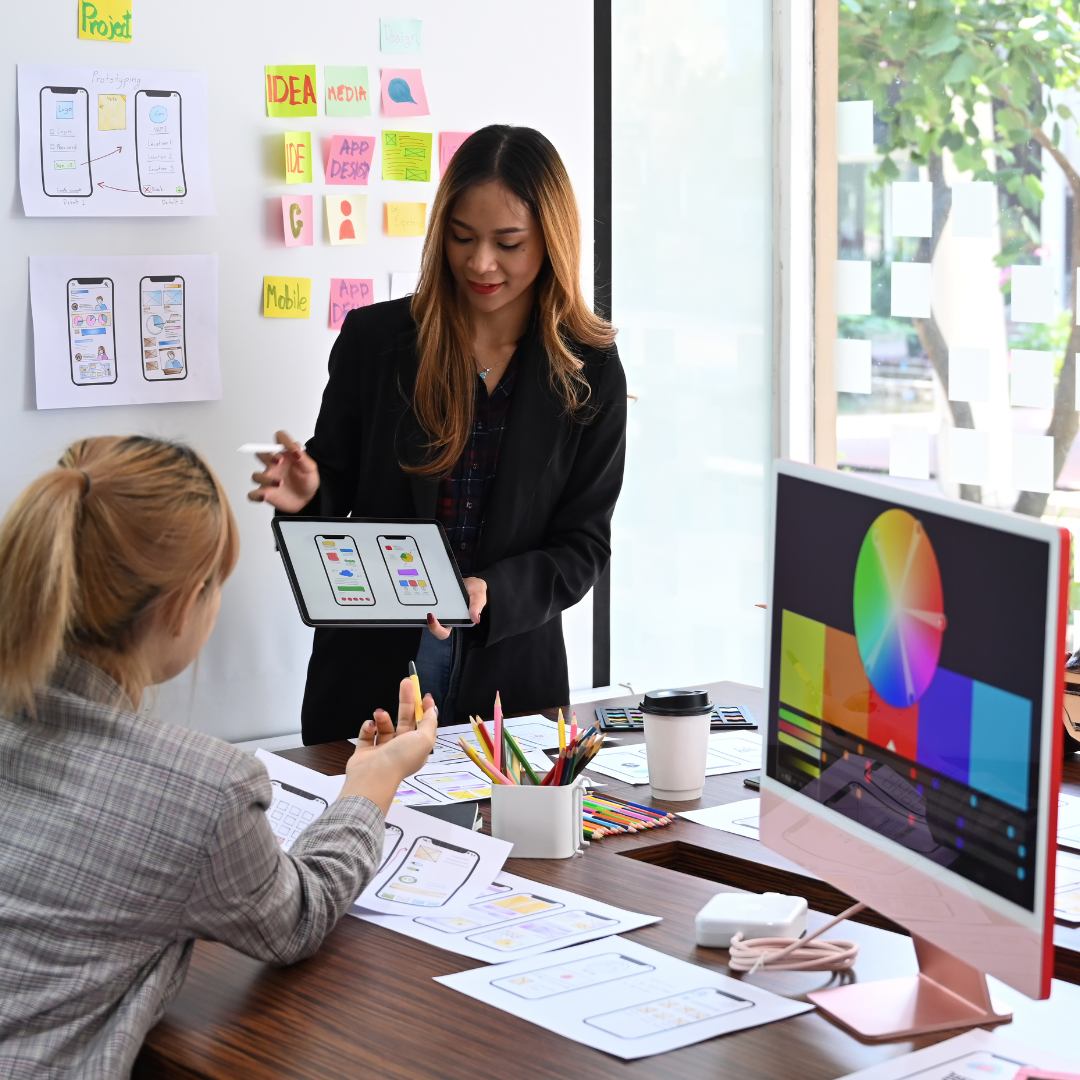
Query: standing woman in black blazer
x=492, y=399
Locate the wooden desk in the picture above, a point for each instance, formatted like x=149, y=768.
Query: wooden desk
x=366, y=1006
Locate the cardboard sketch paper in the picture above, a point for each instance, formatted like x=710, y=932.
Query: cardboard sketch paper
x=515, y=917
x=113, y=143
x=623, y=998
x=124, y=329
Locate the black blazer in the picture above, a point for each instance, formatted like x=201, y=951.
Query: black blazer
x=546, y=533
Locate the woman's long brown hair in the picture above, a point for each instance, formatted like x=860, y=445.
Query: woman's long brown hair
x=529, y=166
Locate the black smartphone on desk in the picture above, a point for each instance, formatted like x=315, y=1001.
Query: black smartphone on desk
x=753, y=781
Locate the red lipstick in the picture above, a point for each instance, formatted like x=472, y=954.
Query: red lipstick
x=482, y=289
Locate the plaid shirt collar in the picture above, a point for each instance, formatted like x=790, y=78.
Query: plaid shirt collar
x=74, y=675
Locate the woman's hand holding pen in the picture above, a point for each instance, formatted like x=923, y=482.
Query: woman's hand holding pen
x=476, y=587
x=383, y=756
x=290, y=478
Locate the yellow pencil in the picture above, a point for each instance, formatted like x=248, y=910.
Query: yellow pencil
x=488, y=769
x=417, y=699
x=480, y=739
x=562, y=732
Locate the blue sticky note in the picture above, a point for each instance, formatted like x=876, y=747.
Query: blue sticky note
x=400, y=35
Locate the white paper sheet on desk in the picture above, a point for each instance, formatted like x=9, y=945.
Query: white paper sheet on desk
x=1067, y=887
x=975, y=1055
x=1068, y=826
x=623, y=998
x=515, y=917
x=729, y=752
x=740, y=818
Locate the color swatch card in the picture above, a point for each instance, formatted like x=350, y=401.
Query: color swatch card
x=296, y=220
x=513, y=918
x=349, y=159
x=347, y=294
x=346, y=218
x=403, y=92
x=406, y=155
x=620, y=997
x=347, y=92
x=290, y=90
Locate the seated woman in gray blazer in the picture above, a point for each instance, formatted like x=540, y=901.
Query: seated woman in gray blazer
x=126, y=838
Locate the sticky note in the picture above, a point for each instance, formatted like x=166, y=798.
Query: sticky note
x=969, y=456
x=449, y=141
x=909, y=452
x=1033, y=462
x=406, y=155
x=1032, y=380
x=973, y=209
x=399, y=35
x=969, y=374
x=912, y=208
x=911, y=290
x=854, y=129
x=406, y=218
x=851, y=366
x=105, y=20
x=1032, y=295
x=346, y=294
x=286, y=297
x=402, y=283
x=112, y=112
x=851, y=287
x=297, y=157
x=347, y=91
x=296, y=220
x=290, y=90
x=346, y=218
x=403, y=92
x=349, y=160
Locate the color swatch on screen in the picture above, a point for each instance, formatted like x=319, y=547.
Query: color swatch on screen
x=898, y=608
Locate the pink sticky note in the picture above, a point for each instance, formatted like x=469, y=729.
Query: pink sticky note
x=346, y=294
x=403, y=92
x=349, y=160
x=449, y=141
x=297, y=219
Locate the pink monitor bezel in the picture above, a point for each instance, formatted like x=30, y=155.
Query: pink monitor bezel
x=992, y=934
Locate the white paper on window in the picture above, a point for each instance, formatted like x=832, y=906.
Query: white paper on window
x=911, y=290
x=851, y=287
x=851, y=366
x=1033, y=463
x=1032, y=382
x=973, y=209
x=1032, y=294
x=969, y=374
x=909, y=452
x=969, y=456
x=854, y=129
x=912, y=208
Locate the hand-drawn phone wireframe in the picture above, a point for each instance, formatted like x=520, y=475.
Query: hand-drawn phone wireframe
x=430, y=874
x=159, y=144
x=405, y=565
x=164, y=344
x=390, y=843
x=678, y=1010
x=491, y=910
x=65, y=142
x=523, y=935
x=562, y=978
x=292, y=811
x=345, y=571
x=91, y=336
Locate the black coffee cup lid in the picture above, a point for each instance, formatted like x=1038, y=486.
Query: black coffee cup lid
x=676, y=702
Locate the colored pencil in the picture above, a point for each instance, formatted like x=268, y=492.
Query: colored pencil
x=638, y=806
x=487, y=768
x=522, y=761
x=417, y=698
x=562, y=732
x=498, y=739
x=485, y=738
x=573, y=728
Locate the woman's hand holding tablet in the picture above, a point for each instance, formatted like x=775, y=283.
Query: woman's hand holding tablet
x=290, y=479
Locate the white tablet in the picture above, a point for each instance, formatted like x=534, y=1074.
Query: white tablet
x=371, y=572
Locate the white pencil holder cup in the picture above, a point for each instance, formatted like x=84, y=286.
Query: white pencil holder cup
x=541, y=822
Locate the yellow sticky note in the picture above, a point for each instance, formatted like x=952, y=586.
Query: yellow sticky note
x=290, y=90
x=406, y=218
x=105, y=20
x=286, y=297
x=297, y=157
x=346, y=218
x=111, y=112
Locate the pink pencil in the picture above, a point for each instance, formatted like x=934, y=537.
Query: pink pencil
x=498, y=733
x=573, y=728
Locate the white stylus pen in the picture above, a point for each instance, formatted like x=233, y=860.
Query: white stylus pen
x=260, y=448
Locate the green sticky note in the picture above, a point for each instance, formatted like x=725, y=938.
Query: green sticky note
x=347, y=91
x=406, y=155
x=290, y=90
x=297, y=157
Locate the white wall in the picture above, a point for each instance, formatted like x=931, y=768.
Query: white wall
x=483, y=62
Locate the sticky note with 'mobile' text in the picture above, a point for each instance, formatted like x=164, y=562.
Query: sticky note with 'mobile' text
x=286, y=297
x=290, y=90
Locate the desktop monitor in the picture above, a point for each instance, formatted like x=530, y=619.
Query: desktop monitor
x=913, y=750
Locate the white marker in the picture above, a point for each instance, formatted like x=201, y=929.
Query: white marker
x=260, y=448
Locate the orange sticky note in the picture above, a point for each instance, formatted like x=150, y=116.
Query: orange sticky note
x=406, y=218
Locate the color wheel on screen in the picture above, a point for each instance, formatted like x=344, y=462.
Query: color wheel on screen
x=899, y=614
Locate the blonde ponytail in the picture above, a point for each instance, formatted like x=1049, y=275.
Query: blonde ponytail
x=124, y=528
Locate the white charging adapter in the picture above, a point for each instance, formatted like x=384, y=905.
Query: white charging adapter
x=768, y=915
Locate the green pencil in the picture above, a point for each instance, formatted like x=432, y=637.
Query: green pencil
x=516, y=751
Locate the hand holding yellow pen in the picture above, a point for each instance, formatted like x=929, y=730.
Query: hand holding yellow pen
x=417, y=699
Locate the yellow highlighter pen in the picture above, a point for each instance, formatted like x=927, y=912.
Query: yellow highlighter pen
x=417, y=700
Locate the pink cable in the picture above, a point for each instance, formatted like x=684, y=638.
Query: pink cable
x=795, y=954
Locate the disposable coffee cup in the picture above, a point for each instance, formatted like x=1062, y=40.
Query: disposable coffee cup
x=677, y=724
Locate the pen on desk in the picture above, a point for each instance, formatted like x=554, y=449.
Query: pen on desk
x=417, y=700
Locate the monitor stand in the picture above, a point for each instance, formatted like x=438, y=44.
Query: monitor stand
x=946, y=994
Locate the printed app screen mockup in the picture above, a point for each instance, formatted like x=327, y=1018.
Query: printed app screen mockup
x=65, y=141
x=344, y=571
x=90, y=331
x=164, y=355
x=430, y=874
x=558, y=979
x=159, y=152
x=664, y=1014
x=406, y=568
x=292, y=811
x=391, y=839
x=491, y=911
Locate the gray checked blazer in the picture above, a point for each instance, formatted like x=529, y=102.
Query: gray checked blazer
x=122, y=840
